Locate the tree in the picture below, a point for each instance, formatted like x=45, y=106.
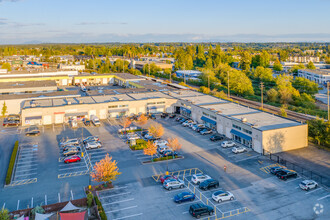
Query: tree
x=277, y=66
x=142, y=120
x=174, y=144
x=311, y=66
x=4, y=109
x=263, y=74
x=246, y=61
x=272, y=95
x=150, y=150
x=283, y=111
x=295, y=68
x=105, y=170
x=305, y=85
x=4, y=214
x=6, y=66
x=285, y=88
x=156, y=130
x=125, y=122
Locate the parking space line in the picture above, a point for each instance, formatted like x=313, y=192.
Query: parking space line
x=70, y=168
x=175, y=190
x=313, y=191
x=119, y=194
x=4, y=205
x=129, y=216
x=45, y=199
x=323, y=197
x=32, y=202
x=247, y=158
x=121, y=201
x=186, y=212
x=29, y=174
x=17, y=205
x=188, y=202
x=118, y=210
x=293, y=180
x=72, y=195
x=59, y=197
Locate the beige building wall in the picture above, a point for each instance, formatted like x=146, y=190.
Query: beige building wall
x=285, y=139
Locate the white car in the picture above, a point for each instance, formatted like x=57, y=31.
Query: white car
x=90, y=138
x=186, y=123
x=190, y=125
x=198, y=178
x=228, y=144
x=93, y=145
x=160, y=142
x=237, y=150
x=74, y=141
x=308, y=184
x=132, y=136
x=197, y=126
x=220, y=196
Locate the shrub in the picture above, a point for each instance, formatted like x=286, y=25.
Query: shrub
x=4, y=214
x=89, y=199
x=140, y=145
x=11, y=163
x=100, y=208
x=163, y=158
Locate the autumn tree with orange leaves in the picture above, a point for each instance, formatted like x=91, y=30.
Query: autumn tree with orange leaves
x=156, y=130
x=142, y=120
x=125, y=122
x=150, y=149
x=105, y=170
x=174, y=144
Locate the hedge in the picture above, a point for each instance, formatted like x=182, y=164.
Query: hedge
x=164, y=158
x=11, y=163
x=140, y=145
x=100, y=209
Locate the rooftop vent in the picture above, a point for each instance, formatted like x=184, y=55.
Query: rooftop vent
x=69, y=102
x=244, y=120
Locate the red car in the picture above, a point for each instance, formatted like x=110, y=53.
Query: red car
x=72, y=159
x=166, y=177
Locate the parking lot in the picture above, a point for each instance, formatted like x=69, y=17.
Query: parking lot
x=137, y=195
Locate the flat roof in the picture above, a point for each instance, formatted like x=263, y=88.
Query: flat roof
x=126, y=76
x=231, y=109
x=112, y=98
x=148, y=95
x=319, y=71
x=39, y=95
x=196, y=98
x=265, y=121
x=27, y=84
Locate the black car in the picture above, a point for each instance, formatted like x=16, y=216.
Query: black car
x=168, y=153
x=178, y=119
x=183, y=120
x=33, y=133
x=172, y=116
x=199, y=209
x=87, y=122
x=164, y=115
x=286, y=174
x=216, y=137
x=208, y=184
x=144, y=132
x=275, y=170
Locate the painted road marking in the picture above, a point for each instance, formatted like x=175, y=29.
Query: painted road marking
x=17, y=205
x=77, y=167
x=120, y=194
x=323, y=197
x=32, y=202
x=293, y=180
x=118, y=210
x=121, y=201
x=188, y=202
x=59, y=197
x=4, y=205
x=72, y=195
x=247, y=158
x=313, y=191
x=45, y=199
x=129, y=216
x=28, y=174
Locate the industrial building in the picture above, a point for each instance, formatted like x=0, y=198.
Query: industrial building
x=188, y=74
x=319, y=76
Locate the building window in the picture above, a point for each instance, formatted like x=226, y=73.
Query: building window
x=113, y=106
x=247, y=131
x=151, y=103
x=237, y=127
x=122, y=106
x=160, y=102
x=205, y=114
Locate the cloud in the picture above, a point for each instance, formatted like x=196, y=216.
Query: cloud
x=100, y=23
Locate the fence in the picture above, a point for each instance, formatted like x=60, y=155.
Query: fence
x=299, y=169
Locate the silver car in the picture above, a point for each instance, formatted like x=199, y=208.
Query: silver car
x=173, y=184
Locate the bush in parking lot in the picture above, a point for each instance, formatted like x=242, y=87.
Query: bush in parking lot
x=140, y=145
x=89, y=199
x=163, y=158
x=100, y=208
x=11, y=163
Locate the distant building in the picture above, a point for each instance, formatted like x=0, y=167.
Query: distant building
x=71, y=67
x=319, y=76
x=189, y=74
x=3, y=71
x=140, y=64
x=304, y=59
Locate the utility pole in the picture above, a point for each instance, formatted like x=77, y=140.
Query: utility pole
x=228, y=84
x=262, y=94
x=328, y=85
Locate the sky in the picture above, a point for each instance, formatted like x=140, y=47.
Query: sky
x=101, y=21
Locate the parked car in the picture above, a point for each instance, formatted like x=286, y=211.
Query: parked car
x=132, y=136
x=173, y=184
x=220, y=196
x=166, y=177
x=161, y=149
x=199, y=128
x=169, y=153
x=144, y=132
x=152, y=116
x=72, y=159
x=208, y=184
x=68, y=147
x=96, y=121
x=225, y=144
x=9, y=123
x=164, y=115
x=198, y=178
x=86, y=122
x=172, y=116
x=184, y=197
x=74, y=124
x=183, y=120
x=275, y=170
x=205, y=131
x=199, y=209
x=71, y=151
x=237, y=150
x=74, y=141
x=32, y=131
x=286, y=174
x=160, y=142
x=216, y=137
x=90, y=138
x=191, y=124
x=186, y=123
x=308, y=184
x=93, y=145
x=178, y=118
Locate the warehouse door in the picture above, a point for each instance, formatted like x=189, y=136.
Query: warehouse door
x=47, y=120
x=59, y=119
x=103, y=114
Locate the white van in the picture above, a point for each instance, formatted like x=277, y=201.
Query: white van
x=96, y=121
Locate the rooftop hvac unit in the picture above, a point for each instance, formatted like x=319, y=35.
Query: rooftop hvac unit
x=244, y=120
x=69, y=102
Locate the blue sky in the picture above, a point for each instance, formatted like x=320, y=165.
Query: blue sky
x=81, y=21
